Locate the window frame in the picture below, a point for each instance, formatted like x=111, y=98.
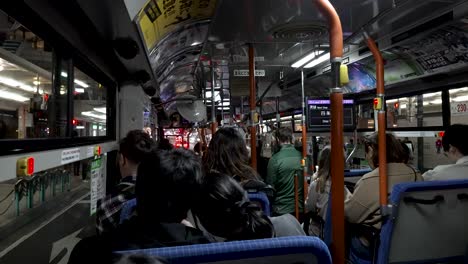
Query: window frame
x=62, y=50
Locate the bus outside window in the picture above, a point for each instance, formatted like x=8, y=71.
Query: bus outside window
x=90, y=106
x=415, y=111
x=28, y=101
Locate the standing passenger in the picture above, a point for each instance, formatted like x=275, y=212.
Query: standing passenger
x=283, y=167
x=455, y=146
x=132, y=150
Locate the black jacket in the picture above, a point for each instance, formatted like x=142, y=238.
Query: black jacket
x=132, y=235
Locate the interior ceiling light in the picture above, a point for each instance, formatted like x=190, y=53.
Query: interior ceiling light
x=13, y=83
x=79, y=90
x=306, y=59
x=322, y=58
x=95, y=115
x=13, y=96
x=79, y=82
x=100, y=109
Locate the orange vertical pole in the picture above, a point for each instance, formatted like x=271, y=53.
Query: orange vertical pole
x=337, y=158
x=253, y=130
x=383, y=183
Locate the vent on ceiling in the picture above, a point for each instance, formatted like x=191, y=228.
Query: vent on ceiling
x=300, y=31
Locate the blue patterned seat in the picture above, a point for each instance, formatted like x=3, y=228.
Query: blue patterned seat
x=300, y=249
x=428, y=223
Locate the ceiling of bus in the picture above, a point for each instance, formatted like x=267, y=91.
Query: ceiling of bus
x=281, y=32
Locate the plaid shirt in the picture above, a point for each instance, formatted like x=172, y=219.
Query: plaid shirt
x=109, y=208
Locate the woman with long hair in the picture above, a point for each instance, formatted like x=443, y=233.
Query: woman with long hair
x=224, y=210
x=227, y=153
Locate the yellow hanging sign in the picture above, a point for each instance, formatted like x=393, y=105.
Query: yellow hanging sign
x=159, y=17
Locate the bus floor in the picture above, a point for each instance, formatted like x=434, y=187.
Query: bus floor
x=48, y=232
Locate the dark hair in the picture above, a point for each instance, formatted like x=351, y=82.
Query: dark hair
x=455, y=135
x=136, y=145
x=284, y=134
x=228, y=154
x=136, y=259
x=407, y=152
x=395, y=151
x=166, y=186
x=165, y=144
x=225, y=210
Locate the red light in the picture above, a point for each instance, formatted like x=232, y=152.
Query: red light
x=74, y=122
x=30, y=166
x=99, y=150
x=376, y=101
x=441, y=134
x=396, y=105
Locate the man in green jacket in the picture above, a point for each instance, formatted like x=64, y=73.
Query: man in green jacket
x=282, y=168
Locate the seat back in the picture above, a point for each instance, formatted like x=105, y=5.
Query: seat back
x=127, y=210
x=284, y=250
x=262, y=199
x=428, y=223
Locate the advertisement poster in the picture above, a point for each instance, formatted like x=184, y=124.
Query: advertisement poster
x=159, y=17
x=98, y=181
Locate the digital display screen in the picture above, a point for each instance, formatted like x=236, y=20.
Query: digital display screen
x=319, y=114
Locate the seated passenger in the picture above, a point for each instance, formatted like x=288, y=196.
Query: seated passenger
x=455, y=146
x=283, y=167
x=362, y=206
x=319, y=192
x=132, y=149
x=224, y=209
x=227, y=154
x=166, y=187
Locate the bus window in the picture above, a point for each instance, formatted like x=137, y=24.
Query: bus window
x=29, y=106
x=459, y=105
x=415, y=111
x=365, y=113
x=90, y=107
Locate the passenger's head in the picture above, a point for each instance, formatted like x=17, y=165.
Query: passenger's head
x=395, y=151
x=284, y=135
x=166, y=186
x=454, y=141
x=225, y=210
x=227, y=153
x=132, y=150
x=165, y=144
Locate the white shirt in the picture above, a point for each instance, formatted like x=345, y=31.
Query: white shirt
x=459, y=170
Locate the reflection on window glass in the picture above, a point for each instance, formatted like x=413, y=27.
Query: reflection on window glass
x=458, y=105
x=416, y=111
x=365, y=116
x=29, y=106
x=90, y=107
